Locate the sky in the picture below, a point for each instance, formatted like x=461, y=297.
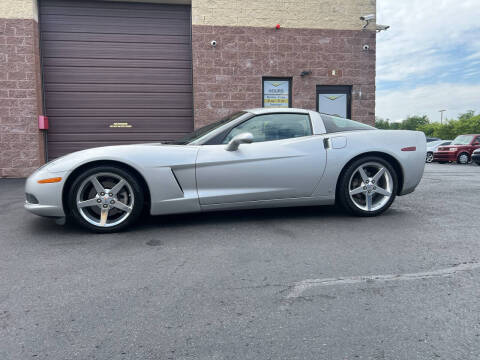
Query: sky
x=429, y=59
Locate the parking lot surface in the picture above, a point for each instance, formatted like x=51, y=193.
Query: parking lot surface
x=299, y=283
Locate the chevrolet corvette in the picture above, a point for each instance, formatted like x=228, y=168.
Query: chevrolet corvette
x=252, y=159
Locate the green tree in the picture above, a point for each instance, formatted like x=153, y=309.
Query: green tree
x=414, y=122
x=382, y=123
x=466, y=123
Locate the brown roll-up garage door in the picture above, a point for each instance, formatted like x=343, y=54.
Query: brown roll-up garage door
x=115, y=73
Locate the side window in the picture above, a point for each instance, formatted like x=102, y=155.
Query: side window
x=477, y=140
x=337, y=124
x=271, y=127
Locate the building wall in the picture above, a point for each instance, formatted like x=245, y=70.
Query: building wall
x=315, y=35
x=18, y=9
x=21, y=143
x=228, y=77
x=311, y=14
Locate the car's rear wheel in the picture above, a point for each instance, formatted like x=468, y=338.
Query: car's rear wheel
x=429, y=158
x=463, y=158
x=368, y=186
x=105, y=199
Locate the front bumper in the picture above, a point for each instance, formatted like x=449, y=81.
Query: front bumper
x=445, y=156
x=48, y=196
x=45, y=210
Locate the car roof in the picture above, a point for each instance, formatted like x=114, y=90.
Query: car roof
x=258, y=111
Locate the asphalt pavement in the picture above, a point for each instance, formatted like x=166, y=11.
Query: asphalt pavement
x=296, y=283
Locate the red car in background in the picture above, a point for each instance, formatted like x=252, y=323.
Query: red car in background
x=460, y=150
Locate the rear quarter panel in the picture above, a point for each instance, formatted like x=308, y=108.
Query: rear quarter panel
x=345, y=146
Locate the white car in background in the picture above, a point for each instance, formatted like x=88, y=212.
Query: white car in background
x=433, y=146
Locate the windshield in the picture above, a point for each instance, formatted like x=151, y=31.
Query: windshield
x=435, y=143
x=463, y=140
x=338, y=124
x=206, y=129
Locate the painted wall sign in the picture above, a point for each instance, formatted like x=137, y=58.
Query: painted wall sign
x=276, y=93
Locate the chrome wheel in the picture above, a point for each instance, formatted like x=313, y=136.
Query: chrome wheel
x=463, y=158
x=429, y=157
x=370, y=187
x=105, y=199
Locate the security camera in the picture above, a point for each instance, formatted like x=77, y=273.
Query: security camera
x=213, y=43
x=366, y=47
x=367, y=17
x=382, y=27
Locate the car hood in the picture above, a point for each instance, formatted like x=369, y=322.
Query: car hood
x=138, y=155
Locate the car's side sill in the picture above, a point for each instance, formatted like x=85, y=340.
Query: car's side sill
x=304, y=201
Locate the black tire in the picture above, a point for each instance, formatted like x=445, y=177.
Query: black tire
x=461, y=157
x=343, y=195
x=135, y=186
x=429, y=157
x=477, y=162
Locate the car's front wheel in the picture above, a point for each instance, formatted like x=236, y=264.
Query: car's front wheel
x=429, y=158
x=367, y=186
x=463, y=158
x=105, y=199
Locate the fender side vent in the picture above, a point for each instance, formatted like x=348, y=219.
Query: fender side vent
x=175, y=177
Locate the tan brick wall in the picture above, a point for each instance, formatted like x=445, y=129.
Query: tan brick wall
x=312, y=14
x=18, y=9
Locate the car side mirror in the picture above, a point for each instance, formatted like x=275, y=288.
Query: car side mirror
x=476, y=143
x=243, y=138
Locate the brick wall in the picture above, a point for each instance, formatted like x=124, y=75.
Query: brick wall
x=228, y=77
x=312, y=14
x=21, y=143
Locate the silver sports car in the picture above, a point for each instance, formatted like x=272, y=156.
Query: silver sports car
x=254, y=158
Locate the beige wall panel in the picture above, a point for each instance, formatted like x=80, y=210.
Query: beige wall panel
x=18, y=9
x=313, y=14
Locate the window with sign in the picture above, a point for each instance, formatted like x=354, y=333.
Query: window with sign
x=334, y=100
x=277, y=92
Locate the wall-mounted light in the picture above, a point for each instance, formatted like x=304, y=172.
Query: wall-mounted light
x=357, y=93
x=305, y=73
